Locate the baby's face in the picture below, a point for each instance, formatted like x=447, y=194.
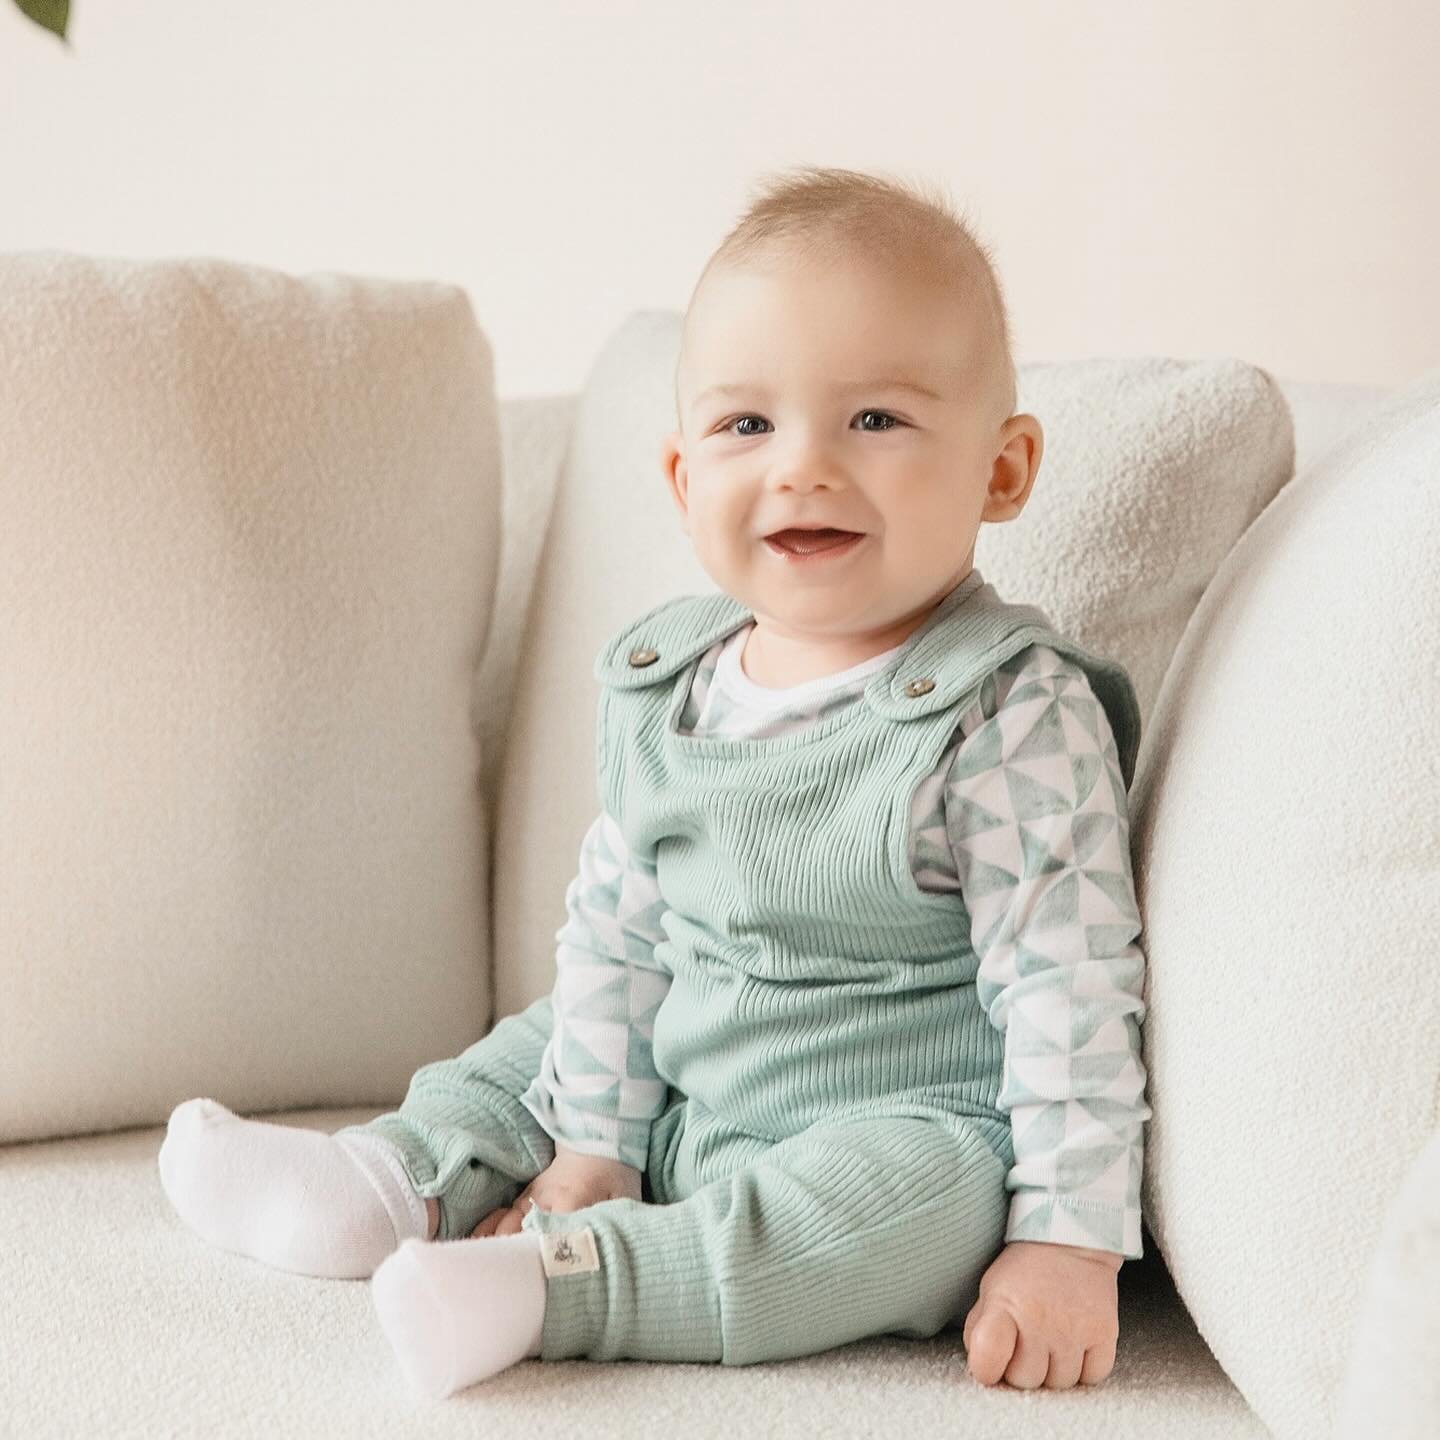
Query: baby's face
x=818, y=431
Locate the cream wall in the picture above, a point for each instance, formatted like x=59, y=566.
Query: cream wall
x=1254, y=177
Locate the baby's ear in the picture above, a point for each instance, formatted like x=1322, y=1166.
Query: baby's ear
x=677, y=475
x=1016, y=466
x=672, y=448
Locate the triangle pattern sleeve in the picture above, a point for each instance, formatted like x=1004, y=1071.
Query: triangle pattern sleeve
x=1037, y=824
x=597, y=1091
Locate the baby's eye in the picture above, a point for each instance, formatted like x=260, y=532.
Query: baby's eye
x=745, y=434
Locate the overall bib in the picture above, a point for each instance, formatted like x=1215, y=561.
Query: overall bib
x=830, y=1163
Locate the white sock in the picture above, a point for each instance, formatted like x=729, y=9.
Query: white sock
x=459, y=1312
x=301, y=1200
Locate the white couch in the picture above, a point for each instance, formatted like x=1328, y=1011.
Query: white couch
x=295, y=718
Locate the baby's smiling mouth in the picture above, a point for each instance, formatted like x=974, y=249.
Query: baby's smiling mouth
x=808, y=540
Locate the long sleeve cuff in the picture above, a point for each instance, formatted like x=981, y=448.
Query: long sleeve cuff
x=1059, y=1219
x=594, y=1132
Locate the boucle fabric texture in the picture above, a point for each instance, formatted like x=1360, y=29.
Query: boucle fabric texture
x=248, y=548
x=1287, y=861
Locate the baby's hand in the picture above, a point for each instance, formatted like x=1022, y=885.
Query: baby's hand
x=1047, y=1315
x=570, y=1182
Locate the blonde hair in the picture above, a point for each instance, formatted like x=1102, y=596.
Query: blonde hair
x=821, y=215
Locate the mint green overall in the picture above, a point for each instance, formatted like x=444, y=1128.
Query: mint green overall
x=831, y=1160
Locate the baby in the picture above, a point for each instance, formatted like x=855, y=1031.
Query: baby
x=844, y=1039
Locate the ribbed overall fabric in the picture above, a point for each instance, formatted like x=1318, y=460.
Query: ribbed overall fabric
x=830, y=1163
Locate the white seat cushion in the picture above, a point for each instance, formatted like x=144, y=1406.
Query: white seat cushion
x=120, y=1322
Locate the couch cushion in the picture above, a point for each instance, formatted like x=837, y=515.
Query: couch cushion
x=119, y=1321
x=1153, y=468
x=1287, y=862
x=246, y=564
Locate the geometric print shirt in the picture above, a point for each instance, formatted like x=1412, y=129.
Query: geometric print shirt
x=1026, y=818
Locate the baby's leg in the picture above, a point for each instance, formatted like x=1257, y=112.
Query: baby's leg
x=337, y=1205
x=482, y=1307
x=850, y=1229
x=462, y=1137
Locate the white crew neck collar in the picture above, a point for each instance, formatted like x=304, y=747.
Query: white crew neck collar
x=732, y=676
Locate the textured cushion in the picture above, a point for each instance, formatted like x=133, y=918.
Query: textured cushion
x=1153, y=468
x=119, y=1323
x=1288, y=867
x=249, y=540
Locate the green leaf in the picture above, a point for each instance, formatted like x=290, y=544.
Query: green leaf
x=52, y=14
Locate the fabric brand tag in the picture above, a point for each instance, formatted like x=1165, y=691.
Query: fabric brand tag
x=569, y=1252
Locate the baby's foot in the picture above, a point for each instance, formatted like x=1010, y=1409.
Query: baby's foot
x=300, y=1200
x=458, y=1313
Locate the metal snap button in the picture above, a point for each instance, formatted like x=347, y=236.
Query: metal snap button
x=919, y=687
x=644, y=657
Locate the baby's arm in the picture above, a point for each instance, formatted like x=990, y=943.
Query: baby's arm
x=1048, y=884
x=597, y=1093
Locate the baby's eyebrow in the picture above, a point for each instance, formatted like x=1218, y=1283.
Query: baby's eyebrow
x=845, y=387
x=899, y=383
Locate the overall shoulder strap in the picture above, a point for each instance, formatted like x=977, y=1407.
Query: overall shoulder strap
x=655, y=646
x=971, y=633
